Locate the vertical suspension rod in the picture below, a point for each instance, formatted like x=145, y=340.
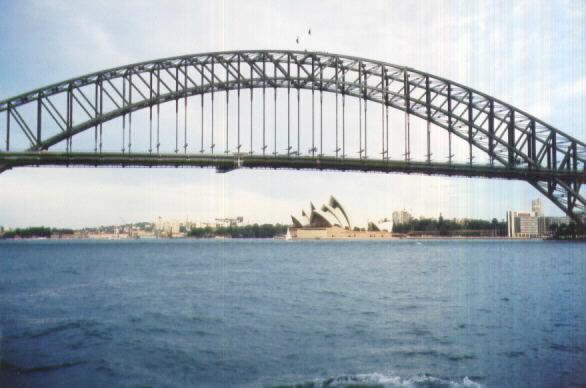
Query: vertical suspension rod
x=337, y=87
x=185, y=110
x=212, y=146
x=343, y=113
x=387, y=113
x=450, y=155
x=275, y=110
x=151, y=112
x=264, y=127
x=407, y=118
x=407, y=137
x=298, y=114
x=70, y=119
x=251, y=105
x=227, y=150
x=382, y=111
x=101, y=111
x=123, y=115
x=158, y=110
x=491, y=132
x=321, y=110
x=360, y=112
x=470, y=125
x=70, y=139
x=288, y=105
x=313, y=106
x=96, y=99
x=365, y=117
x=238, y=113
x=130, y=113
x=202, y=149
x=8, y=112
x=177, y=109
x=428, y=110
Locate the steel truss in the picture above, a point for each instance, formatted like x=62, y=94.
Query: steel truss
x=550, y=160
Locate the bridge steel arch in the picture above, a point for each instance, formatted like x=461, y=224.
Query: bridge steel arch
x=518, y=145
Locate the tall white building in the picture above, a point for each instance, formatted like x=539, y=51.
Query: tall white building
x=401, y=217
x=536, y=207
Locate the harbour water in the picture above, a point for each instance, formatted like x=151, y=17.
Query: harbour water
x=267, y=313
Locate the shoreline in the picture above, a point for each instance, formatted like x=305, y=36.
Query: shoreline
x=281, y=238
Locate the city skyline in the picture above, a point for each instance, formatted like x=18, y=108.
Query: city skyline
x=78, y=197
x=396, y=216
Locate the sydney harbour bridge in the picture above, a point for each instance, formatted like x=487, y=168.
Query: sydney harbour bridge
x=289, y=109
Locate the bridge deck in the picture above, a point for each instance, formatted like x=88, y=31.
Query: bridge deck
x=224, y=163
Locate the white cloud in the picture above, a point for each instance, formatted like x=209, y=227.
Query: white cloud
x=572, y=89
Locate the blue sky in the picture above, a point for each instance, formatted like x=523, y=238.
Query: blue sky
x=528, y=53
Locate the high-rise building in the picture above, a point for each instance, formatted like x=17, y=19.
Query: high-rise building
x=536, y=207
x=401, y=217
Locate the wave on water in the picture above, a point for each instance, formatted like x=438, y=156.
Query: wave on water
x=39, y=368
x=82, y=324
x=386, y=381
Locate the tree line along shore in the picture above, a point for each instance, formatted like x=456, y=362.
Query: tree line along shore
x=422, y=227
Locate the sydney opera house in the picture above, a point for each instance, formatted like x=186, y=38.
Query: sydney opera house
x=330, y=221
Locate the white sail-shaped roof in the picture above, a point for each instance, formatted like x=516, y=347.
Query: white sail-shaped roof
x=330, y=214
x=336, y=205
x=319, y=220
x=327, y=209
x=296, y=223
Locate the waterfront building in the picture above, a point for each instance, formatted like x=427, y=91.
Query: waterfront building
x=172, y=228
x=330, y=214
x=335, y=232
x=545, y=224
x=330, y=221
x=532, y=224
x=401, y=217
x=522, y=225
